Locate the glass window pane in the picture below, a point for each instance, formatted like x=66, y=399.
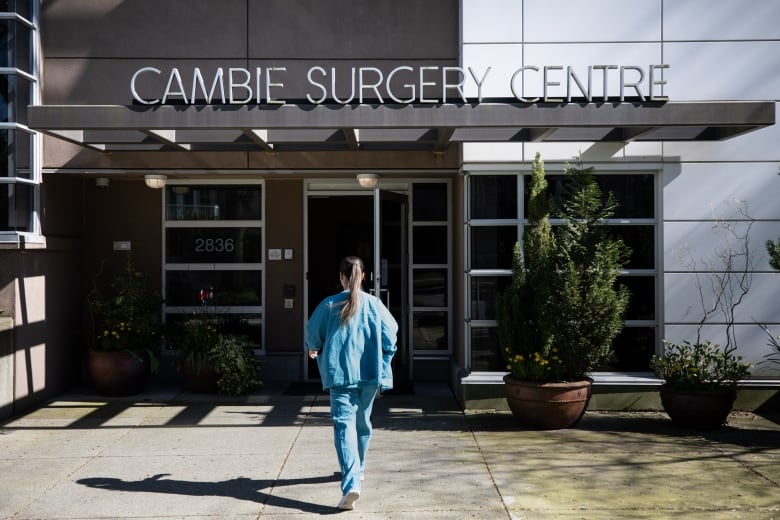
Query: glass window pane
x=641, y=303
x=14, y=98
x=429, y=244
x=429, y=331
x=14, y=153
x=14, y=45
x=429, y=201
x=633, y=348
x=492, y=246
x=485, y=356
x=16, y=203
x=641, y=240
x=229, y=287
x=635, y=194
x=484, y=290
x=493, y=196
x=429, y=288
x=213, y=203
x=213, y=245
x=249, y=325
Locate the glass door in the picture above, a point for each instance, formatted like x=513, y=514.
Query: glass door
x=389, y=279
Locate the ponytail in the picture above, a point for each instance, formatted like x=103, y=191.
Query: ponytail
x=352, y=269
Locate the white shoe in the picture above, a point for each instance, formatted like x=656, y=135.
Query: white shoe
x=348, y=500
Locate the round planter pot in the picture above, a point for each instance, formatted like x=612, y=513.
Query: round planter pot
x=117, y=373
x=547, y=406
x=703, y=410
x=203, y=381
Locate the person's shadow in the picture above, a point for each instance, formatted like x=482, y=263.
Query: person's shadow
x=241, y=488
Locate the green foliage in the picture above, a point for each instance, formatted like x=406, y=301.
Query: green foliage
x=199, y=340
x=127, y=317
x=589, y=303
x=235, y=364
x=773, y=248
x=559, y=316
x=699, y=366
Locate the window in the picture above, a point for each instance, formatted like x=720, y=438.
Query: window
x=19, y=87
x=214, y=247
x=430, y=277
x=496, y=215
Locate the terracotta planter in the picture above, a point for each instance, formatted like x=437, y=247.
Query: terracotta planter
x=117, y=373
x=698, y=409
x=203, y=381
x=547, y=406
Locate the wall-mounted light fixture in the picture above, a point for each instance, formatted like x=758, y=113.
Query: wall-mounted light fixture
x=367, y=180
x=155, y=181
x=102, y=182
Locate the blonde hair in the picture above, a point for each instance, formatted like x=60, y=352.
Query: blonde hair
x=352, y=269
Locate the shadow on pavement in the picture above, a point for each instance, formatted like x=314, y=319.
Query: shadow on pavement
x=241, y=488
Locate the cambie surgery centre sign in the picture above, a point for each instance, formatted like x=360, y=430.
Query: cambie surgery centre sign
x=404, y=84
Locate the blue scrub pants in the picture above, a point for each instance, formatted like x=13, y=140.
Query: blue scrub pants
x=350, y=409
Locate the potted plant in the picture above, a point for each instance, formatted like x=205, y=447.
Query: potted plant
x=558, y=317
x=212, y=360
x=125, y=326
x=700, y=382
x=700, y=377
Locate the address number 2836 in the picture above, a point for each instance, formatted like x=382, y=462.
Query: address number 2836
x=215, y=245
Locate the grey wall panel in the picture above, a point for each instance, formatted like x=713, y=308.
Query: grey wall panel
x=144, y=28
x=355, y=29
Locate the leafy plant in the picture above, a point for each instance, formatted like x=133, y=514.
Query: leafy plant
x=126, y=317
x=558, y=317
x=699, y=366
x=200, y=340
x=235, y=364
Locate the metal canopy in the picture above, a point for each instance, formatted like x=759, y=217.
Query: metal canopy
x=305, y=127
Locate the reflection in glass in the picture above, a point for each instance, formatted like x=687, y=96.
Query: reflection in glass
x=213, y=245
x=197, y=202
x=429, y=288
x=429, y=201
x=430, y=330
x=429, y=244
x=493, y=197
x=485, y=356
x=230, y=287
x=492, y=246
x=484, y=290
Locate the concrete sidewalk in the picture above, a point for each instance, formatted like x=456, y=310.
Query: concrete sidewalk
x=270, y=455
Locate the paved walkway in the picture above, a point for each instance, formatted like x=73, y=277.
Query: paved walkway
x=168, y=455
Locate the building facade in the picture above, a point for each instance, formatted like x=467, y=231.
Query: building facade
x=243, y=149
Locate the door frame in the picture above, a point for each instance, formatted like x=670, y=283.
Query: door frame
x=348, y=187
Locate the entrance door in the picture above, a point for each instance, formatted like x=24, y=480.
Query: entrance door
x=372, y=226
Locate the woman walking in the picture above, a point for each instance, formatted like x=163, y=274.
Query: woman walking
x=352, y=336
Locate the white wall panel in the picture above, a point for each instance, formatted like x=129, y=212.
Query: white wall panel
x=503, y=60
x=690, y=190
x=594, y=20
x=759, y=145
x=751, y=341
x=685, y=242
x=492, y=152
x=492, y=21
x=580, y=56
x=721, y=20
x=723, y=70
x=683, y=304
